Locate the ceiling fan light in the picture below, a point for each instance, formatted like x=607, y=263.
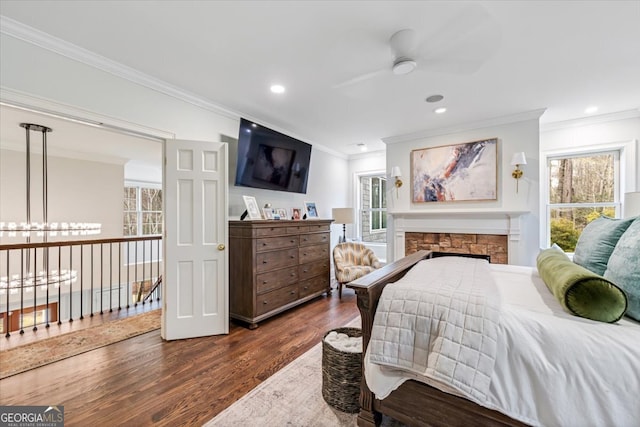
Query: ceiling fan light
x=404, y=66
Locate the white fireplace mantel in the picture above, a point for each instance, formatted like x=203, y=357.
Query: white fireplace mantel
x=463, y=221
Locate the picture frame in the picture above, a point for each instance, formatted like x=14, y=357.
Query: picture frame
x=458, y=172
x=267, y=213
x=296, y=214
x=310, y=209
x=252, y=207
x=282, y=213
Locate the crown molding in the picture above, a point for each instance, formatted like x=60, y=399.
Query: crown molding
x=497, y=121
x=591, y=120
x=46, y=41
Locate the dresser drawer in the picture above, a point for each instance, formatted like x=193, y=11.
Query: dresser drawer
x=312, y=286
x=313, y=253
x=312, y=269
x=266, y=282
x=275, y=299
x=314, y=228
x=314, y=239
x=270, y=243
x=270, y=231
x=267, y=261
x=295, y=230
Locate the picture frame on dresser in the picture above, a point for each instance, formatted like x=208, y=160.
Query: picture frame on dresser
x=252, y=207
x=296, y=214
x=310, y=209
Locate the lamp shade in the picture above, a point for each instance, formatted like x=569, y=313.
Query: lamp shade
x=342, y=215
x=395, y=171
x=631, y=204
x=518, y=159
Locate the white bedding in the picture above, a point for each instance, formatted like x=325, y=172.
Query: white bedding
x=551, y=368
x=446, y=331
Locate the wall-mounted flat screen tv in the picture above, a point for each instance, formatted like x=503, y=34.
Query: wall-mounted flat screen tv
x=270, y=160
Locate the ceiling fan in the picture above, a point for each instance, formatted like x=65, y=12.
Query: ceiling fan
x=460, y=46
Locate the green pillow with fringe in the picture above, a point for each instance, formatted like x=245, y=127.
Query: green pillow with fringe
x=580, y=291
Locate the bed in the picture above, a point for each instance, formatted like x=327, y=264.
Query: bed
x=607, y=385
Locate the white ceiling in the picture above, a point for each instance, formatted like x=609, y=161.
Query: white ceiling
x=524, y=55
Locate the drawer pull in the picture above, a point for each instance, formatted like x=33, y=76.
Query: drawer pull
x=293, y=292
x=264, y=244
x=293, y=274
x=264, y=261
x=265, y=302
x=306, y=287
x=264, y=282
x=292, y=241
x=305, y=271
x=291, y=256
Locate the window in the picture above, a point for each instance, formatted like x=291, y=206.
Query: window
x=142, y=210
x=581, y=188
x=373, y=208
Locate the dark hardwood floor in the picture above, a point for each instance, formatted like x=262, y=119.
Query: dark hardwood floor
x=147, y=381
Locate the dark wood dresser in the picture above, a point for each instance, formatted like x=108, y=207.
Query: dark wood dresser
x=275, y=265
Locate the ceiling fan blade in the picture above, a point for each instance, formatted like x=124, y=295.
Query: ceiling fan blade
x=360, y=78
x=463, y=44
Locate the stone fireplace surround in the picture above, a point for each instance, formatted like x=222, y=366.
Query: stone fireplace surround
x=494, y=232
x=494, y=245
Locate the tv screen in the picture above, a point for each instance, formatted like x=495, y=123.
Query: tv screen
x=270, y=160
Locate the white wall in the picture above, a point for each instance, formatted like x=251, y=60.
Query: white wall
x=615, y=131
x=78, y=191
x=595, y=133
x=54, y=77
x=512, y=137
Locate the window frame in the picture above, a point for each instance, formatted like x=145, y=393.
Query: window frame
x=618, y=149
x=139, y=185
x=381, y=210
x=358, y=203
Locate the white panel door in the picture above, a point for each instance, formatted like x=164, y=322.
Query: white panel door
x=195, y=280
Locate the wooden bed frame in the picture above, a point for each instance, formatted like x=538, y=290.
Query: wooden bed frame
x=413, y=403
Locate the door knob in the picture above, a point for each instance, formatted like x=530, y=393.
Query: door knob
x=221, y=247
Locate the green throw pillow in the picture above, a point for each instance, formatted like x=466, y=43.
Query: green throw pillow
x=624, y=267
x=580, y=291
x=597, y=241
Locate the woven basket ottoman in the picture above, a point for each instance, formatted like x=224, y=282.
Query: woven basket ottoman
x=341, y=374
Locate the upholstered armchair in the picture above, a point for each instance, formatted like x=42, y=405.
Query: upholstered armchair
x=352, y=260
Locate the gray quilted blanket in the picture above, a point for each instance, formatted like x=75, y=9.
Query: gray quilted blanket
x=441, y=321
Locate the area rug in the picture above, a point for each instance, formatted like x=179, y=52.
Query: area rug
x=49, y=350
x=290, y=397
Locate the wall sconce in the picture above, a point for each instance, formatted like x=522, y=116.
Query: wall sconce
x=517, y=160
x=395, y=172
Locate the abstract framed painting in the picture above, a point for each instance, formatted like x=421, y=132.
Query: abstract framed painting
x=459, y=172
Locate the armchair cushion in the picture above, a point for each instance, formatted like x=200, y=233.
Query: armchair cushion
x=353, y=260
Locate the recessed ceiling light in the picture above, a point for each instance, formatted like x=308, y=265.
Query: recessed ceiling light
x=435, y=98
x=591, y=110
x=363, y=146
x=440, y=110
x=277, y=88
